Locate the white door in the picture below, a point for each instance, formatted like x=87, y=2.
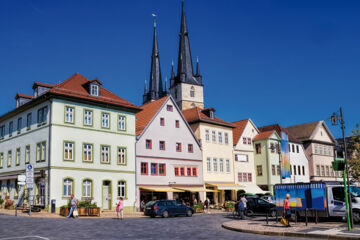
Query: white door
x=336, y=199
x=105, y=197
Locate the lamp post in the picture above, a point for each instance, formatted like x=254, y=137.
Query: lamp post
x=335, y=119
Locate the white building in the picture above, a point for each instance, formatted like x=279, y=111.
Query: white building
x=80, y=138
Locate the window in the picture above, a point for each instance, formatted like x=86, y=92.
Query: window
x=277, y=148
x=227, y=165
x=2, y=131
x=28, y=121
x=27, y=154
x=215, y=165
x=68, y=187
x=258, y=148
x=273, y=170
x=19, y=125
x=121, y=158
x=148, y=144
x=317, y=170
x=154, y=169
x=249, y=177
x=293, y=147
x=40, y=151
x=297, y=148
x=316, y=148
x=240, y=177
x=169, y=108
x=303, y=170
x=144, y=168
x=221, y=164
x=245, y=177
x=190, y=148
x=178, y=147
x=322, y=171
x=220, y=137
x=299, y=170
x=226, y=138
x=17, y=157
x=88, y=117
x=278, y=170
x=188, y=172
x=105, y=154
x=162, y=121
x=162, y=167
x=327, y=171
x=42, y=115
x=289, y=147
x=338, y=194
x=121, y=189
x=207, y=135
x=244, y=140
x=87, y=188
x=9, y=158
x=122, y=123
x=87, y=152
x=291, y=170
x=208, y=164
x=241, y=157
x=182, y=171
x=11, y=128
x=272, y=147
x=94, y=90
x=105, y=120
x=192, y=92
x=213, y=136
x=321, y=149
x=331, y=171
x=294, y=171
x=69, y=114
x=194, y=172
x=177, y=123
x=176, y=171
x=1, y=162
x=162, y=145
x=249, y=141
x=68, y=151
x=259, y=170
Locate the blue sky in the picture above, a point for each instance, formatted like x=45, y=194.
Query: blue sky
x=284, y=62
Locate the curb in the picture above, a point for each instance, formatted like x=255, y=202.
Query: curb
x=292, y=234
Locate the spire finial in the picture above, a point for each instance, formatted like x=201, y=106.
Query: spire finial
x=166, y=85
x=145, y=87
x=154, y=16
x=197, y=59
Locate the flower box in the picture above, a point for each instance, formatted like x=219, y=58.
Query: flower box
x=64, y=211
x=94, y=212
x=83, y=211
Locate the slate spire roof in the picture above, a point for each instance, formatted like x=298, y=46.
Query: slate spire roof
x=185, y=73
x=155, y=84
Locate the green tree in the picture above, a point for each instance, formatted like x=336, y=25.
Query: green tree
x=354, y=154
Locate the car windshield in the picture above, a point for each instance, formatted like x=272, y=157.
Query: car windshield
x=355, y=191
x=150, y=203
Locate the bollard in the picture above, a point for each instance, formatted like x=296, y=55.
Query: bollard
x=267, y=217
x=316, y=217
x=306, y=216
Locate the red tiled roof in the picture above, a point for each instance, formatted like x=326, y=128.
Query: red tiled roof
x=197, y=114
x=148, y=112
x=43, y=85
x=238, y=130
x=303, y=131
x=74, y=87
x=263, y=135
x=18, y=95
x=278, y=130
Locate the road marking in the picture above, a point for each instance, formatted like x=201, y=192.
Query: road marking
x=9, y=238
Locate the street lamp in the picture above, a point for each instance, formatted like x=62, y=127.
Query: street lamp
x=335, y=119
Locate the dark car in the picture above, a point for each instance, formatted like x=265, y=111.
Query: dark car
x=166, y=208
x=258, y=206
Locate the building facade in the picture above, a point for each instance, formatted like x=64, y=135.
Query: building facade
x=168, y=155
x=80, y=138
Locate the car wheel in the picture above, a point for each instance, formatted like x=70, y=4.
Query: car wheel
x=165, y=214
x=273, y=213
x=189, y=213
x=356, y=216
x=249, y=213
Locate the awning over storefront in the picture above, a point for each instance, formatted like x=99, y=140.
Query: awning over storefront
x=227, y=186
x=196, y=189
x=253, y=189
x=161, y=189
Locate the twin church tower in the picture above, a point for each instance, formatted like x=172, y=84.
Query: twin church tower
x=185, y=87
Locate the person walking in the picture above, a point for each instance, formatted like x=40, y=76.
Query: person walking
x=195, y=201
x=287, y=212
x=73, y=208
x=120, y=209
x=207, y=205
x=244, y=200
x=241, y=209
x=142, y=205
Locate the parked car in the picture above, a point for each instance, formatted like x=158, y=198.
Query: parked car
x=166, y=208
x=269, y=199
x=258, y=206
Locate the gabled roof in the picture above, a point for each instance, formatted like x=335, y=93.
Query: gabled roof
x=148, y=112
x=238, y=130
x=306, y=131
x=197, y=114
x=36, y=84
x=20, y=95
x=278, y=130
x=264, y=135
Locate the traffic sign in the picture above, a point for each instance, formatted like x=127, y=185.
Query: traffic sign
x=29, y=176
x=21, y=178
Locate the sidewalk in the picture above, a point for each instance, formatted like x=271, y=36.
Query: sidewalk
x=325, y=230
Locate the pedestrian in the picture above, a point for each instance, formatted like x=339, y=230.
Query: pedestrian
x=142, y=205
x=287, y=212
x=207, y=205
x=183, y=202
x=241, y=210
x=120, y=209
x=73, y=208
x=195, y=201
x=244, y=201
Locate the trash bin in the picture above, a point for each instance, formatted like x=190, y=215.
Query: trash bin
x=53, y=203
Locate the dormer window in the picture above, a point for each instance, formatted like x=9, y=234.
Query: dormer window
x=212, y=114
x=94, y=90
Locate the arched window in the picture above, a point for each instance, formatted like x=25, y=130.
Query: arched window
x=192, y=92
x=87, y=185
x=68, y=187
x=192, y=105
x=121, y=189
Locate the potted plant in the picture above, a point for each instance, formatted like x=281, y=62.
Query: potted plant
x=94, y=210
x=198, y=208
x=65, y=209
x=1, y=202
x=83, y=207
x=229, y=206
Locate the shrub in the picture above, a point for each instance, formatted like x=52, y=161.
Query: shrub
x=229, y=204
x=1, y=201
x=9, y=203
x=198, y=206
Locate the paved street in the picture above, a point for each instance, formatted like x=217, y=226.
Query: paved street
x=196, y=227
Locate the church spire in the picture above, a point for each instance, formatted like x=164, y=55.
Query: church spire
x=197, y=67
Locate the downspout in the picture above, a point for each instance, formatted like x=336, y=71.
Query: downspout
x=49, y=153
x=136, y=192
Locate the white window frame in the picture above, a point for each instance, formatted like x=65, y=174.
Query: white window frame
x=68, y=187
x=228, y=166
x=68, y=149
x=121, y=159
x=69, y=114
x=105, y=154
x=94, y=90
x=220, y=137
x=208, y=164
x=105, y=120
x=207, y=135
x=121, y=189
x=87, y=185
x=121, y=122
x=221, y=165
x=87, y=155
x=215, y=165
x=88, y=117
x=226, y=136
x=27, y=153
x=213, y=136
